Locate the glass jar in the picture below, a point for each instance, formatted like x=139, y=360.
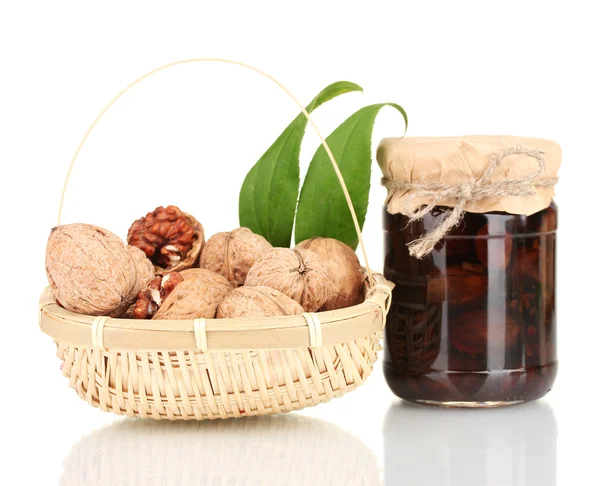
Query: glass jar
x=473, y=323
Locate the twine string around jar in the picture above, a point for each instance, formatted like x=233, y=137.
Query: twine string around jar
x=466, y=192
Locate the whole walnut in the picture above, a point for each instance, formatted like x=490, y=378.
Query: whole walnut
x=145, y=269
x=197, y=296
x=170, y=238
x=92, y=271
x=343, y=268
x=189, y=273
x=257, y=302
x=299, y=274
x=232, y=253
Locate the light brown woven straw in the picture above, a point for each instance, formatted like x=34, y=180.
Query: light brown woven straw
x=209, y=368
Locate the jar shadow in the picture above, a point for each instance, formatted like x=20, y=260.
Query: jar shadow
x=287, y=449
x=432, y=446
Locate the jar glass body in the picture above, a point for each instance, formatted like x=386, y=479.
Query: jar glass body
x=473, y=323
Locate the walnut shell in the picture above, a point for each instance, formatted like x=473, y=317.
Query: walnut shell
x=232, y=253
x=343, y=268
x=190, y=273
x=145, y=269
x=299, y=274
x=197, y=296
x=257, y=302
x=170, y=238
x=91, y=270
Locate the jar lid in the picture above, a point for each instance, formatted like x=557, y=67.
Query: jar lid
x=481, y=173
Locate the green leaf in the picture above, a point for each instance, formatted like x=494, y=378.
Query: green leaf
x=269, y=193
x=322, y=209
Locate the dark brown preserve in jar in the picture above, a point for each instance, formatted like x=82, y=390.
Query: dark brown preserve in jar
x=473, y=322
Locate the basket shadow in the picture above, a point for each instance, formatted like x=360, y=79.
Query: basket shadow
x=287, y=449
x=433, y=446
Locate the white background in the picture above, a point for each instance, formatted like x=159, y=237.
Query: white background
x=189, y=135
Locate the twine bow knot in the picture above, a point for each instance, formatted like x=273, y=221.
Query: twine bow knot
x=467, y=192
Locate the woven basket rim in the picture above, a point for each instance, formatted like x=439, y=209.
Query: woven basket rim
x=239, y=334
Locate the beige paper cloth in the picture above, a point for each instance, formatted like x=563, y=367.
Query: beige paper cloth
x=473, y=174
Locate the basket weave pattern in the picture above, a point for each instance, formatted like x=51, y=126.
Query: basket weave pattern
x=413, y=338
x=195, y=385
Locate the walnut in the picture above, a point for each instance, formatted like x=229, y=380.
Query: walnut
x=299, y=274
x=197, y=296
x=170, y=238
x=233, y=253
x=483, y=332
x=150, y=299
x=463, y=284
x=143, y=308
x=257, y=302
x=91, y=270
x=145, y=269
x=343, y=268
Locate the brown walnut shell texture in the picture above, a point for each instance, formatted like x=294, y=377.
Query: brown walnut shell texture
x=343, y=269
x=257, y=302
x=92, y=271
x=145, y=269
x=233, y=253
x=170, y=238
x=197, y=296
x=299, y=274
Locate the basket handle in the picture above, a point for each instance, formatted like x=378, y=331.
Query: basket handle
x=268, y=76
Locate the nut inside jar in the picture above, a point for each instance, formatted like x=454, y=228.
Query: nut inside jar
x=474, y=321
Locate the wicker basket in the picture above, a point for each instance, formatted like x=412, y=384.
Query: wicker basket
x=414, y=337
x=208, y=368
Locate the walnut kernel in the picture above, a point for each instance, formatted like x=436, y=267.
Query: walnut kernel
x=150, y=299
x=170, y=238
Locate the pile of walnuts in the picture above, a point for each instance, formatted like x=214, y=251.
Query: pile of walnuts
x=167, y=270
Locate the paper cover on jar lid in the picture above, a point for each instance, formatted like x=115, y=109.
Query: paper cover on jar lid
x=462, y=161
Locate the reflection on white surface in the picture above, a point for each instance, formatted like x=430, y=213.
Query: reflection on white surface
x=280, y=450
x=514, y=446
